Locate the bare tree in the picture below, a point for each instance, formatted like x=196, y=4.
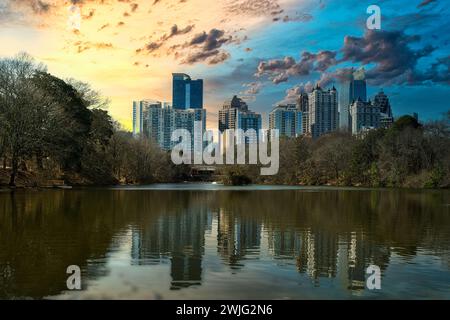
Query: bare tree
x=17, y=111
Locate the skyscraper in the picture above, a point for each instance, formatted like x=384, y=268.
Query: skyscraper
x=187, y=93
x=386, y=116
x=287, y=119
x=303, y=107
x=323, y=111
x=351, y=90
x=140, y=115
x=235, y=115
x=364, y=116
x=156, y=121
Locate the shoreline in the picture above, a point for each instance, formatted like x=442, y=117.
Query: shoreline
x=163, y=186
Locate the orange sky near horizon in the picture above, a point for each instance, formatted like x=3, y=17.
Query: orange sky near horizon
x=127, y=49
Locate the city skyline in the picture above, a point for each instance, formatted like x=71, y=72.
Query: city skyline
x=344, y=108
x=127, y=52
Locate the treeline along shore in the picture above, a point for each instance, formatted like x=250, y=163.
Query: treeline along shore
x=55, y=131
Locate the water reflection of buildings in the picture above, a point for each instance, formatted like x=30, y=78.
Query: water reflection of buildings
x=179, y=237
x=326, y=254
x=238, y=237
x=314, y=252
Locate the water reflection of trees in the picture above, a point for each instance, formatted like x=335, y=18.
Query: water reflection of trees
x=325, y=234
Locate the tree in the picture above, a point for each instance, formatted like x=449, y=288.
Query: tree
x=363, y=158
x=17, y=110
x=91, y=98
x=406, y=121
x=332, y=154
x=65, y=127
x=96, y=162
x=118, y=148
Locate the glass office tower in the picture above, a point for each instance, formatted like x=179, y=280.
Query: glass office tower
x=187, y=93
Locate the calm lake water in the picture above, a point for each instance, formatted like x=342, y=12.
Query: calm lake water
x=214, y=242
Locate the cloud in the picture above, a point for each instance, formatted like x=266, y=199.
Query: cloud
x=104, y=26
x=341, y=74
x=395, y=61
x=210, y=57
x=82, y=46
x=210, y=41
x=205, y=47
x=252, y=88
x=16, y=10
x=439, y=72
x=174, y=31
x=150, y=47
x=37, y=6
x=254, y=7
x=134, y=7
x=387, y=55
x=425, y=3
x=250, y=91
x=299, y=17
x=89, y=15
x=293, y=92
x=279, y=70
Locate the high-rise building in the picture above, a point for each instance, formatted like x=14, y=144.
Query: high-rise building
x=140, y=115
x=303, y=107
x=364, y=116
x=158, y=120
x=287, y=119
x=188, y=119
x=187, y=93
x=344, y=105
x=386, y=116
x=236, y=115
x=323, y=111
x=351, y=90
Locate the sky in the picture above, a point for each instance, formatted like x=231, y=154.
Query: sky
x=265, y=51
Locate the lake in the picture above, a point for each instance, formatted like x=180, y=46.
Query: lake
x=203, y=241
